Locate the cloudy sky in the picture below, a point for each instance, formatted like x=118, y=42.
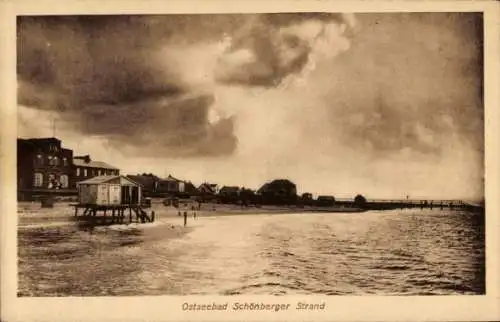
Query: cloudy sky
x=387, y=105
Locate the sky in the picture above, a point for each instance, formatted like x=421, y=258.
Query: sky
x=388, y=105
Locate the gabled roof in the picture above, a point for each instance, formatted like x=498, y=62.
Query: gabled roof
x=229, y=189
x=170, y=178
x=93, y=164
x=144, y=180
x=109, y=179
x=212, y=187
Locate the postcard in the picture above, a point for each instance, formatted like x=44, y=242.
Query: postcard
x=250, y=160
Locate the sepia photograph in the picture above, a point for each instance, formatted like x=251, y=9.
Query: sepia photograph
x=250, y=154
x=311, y=153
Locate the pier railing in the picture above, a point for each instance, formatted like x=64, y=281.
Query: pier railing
x=416, y=203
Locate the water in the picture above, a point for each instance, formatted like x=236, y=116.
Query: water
x=409, y=252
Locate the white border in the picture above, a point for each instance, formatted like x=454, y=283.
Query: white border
x=339, y=308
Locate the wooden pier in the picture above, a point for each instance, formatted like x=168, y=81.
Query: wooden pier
x=423, y=204
x=389, y=204
x=114, y=213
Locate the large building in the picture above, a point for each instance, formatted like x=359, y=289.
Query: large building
x=86, y=168
x=43, y=166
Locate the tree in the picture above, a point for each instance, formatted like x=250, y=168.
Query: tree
x=359, y=201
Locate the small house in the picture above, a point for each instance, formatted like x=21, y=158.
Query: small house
x=148, y=181
x=170, y=185
x=229, y=194
x=325, y=201
x=109, y=190
x=208, y=188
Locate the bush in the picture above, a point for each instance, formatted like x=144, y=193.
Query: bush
x=359, y=201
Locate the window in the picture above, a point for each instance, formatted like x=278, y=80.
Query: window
x=38, y=179
x=84, y=172
x=56, y=161
x=65, y=162
x=77, y=172
x=39, y=159
x=50, y=159
x=52, y=181
x=64, y=181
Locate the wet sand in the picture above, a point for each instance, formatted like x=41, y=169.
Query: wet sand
x=58, y=256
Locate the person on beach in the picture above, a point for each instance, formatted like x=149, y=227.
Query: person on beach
x=185, y=218
x=194, y=214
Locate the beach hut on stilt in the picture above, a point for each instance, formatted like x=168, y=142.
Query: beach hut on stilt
x=116, y=195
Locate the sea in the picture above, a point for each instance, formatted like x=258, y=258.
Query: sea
x=397, y=252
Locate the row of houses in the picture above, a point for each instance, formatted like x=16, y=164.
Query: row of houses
x=278, y=191
x=44, y=166
x=153, y=186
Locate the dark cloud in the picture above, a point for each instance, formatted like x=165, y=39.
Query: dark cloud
x=105, y=74
x=409, y=81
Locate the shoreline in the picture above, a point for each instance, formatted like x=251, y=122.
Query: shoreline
x=80, y=256
x=277, y=211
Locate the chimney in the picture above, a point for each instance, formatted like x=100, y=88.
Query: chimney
x=85, y=158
